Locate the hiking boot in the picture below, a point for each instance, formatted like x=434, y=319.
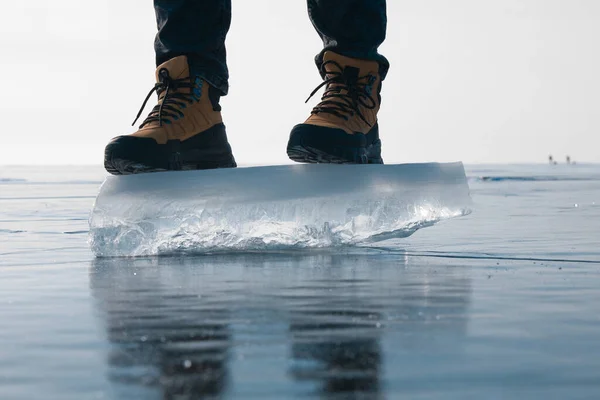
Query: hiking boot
x=183, y=131
x=343, y=127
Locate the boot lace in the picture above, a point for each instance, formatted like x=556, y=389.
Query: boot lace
x=346, y=92
x=173, y=100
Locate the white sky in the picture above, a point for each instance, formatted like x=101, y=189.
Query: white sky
x=472, y=80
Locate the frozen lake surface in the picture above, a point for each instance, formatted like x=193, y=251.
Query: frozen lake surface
x=501, y=303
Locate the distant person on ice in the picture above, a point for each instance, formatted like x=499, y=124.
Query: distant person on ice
x=185, y=130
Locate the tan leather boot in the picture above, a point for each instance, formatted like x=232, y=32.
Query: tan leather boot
x=183, y=131
x=343, y=127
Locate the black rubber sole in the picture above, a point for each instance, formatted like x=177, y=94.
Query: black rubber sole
x=321, y=145
x=126, y=155
x=127, y=167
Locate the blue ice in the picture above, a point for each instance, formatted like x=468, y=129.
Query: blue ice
x=272, y=208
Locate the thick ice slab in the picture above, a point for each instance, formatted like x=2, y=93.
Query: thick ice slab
x=270, y=208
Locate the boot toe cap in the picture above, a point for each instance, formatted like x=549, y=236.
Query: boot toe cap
x=123, y=153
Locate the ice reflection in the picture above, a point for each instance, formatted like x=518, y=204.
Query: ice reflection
x=273, y=325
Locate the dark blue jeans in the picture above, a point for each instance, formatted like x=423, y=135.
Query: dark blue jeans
x=197, y=28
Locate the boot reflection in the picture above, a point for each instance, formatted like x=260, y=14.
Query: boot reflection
x=161, y=333
x=344, y=357
x=335, y=332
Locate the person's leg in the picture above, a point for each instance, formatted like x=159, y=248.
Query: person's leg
x=352, y=28
x=185, y=129
x=343, y=127
x=197, y=29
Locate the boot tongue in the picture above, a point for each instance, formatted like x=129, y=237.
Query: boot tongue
x=178, y=68
x=350, y=74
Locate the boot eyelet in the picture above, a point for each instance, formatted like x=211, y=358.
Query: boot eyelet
x=163, y=73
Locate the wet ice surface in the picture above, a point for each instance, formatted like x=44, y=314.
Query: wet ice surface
x=502, y=303
x=272, y=208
